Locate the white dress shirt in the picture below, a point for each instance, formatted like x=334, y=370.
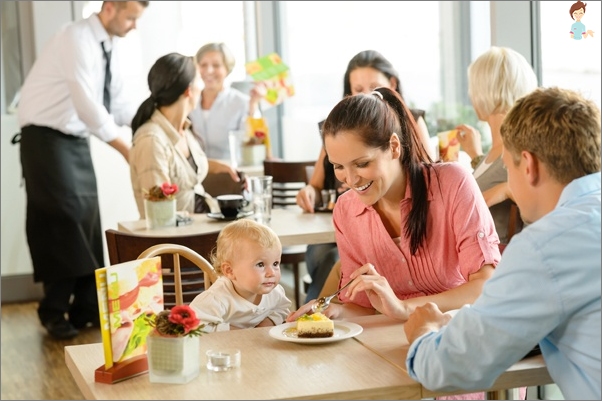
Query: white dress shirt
x=228, y=113
x=64, y=89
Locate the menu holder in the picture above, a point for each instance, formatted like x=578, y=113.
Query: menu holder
x=136, y=366
x=127, y=293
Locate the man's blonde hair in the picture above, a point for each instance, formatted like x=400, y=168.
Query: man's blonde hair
x=497, y=78
x=560, y=127
x=227, y=248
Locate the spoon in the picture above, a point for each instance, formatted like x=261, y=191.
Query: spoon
x=324, y=302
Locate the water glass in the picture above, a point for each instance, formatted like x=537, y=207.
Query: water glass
x=261, y=195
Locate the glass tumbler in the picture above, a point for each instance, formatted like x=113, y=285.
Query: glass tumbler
x=261, y=195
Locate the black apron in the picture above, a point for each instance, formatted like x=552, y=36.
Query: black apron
x=63, y=216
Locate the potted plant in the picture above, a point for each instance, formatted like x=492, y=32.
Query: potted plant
x=160, y=205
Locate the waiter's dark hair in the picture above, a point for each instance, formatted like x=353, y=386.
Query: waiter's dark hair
x=168, y=78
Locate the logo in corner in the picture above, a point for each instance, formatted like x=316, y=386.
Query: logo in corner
x=578, y=30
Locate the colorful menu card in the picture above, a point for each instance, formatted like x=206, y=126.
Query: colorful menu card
x=127, y=293
x=275, y=75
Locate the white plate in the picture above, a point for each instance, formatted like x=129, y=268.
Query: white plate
x=342, y=331
x=220, y=216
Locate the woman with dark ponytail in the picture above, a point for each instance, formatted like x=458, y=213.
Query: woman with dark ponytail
x=409, y=231
x=164, y=148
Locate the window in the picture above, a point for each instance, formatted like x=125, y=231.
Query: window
x=321, y=37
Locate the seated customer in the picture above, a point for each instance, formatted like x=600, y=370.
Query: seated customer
x=409, y=231
x=546, y=289
x=164, y=148
x=366, y=71
x=248, y=292
x=496, y=79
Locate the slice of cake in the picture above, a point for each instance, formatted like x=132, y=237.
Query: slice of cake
x=316, y=325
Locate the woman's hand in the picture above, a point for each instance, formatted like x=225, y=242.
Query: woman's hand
x=306, y=198
x=379, y=292
x=470, y=140
x=257, y=93
x=217, y=167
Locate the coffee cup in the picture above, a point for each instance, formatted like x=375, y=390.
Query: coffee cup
x=231, y=204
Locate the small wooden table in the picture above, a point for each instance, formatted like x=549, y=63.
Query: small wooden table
x=369, y=366
x=270, y=369
x=292, y=225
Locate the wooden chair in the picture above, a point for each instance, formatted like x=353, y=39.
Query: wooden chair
x=123, y=247
x=180, y=286
x=288, y=179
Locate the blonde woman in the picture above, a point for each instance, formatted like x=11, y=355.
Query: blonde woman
x=222, y=108
x=496, y=80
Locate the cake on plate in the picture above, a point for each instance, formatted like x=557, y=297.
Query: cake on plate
x=316, y=325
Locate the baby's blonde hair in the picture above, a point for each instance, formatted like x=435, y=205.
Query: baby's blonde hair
x=243, y=229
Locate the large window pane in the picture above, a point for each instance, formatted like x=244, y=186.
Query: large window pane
x=321, y=37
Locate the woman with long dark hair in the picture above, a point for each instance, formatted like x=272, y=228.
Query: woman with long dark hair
x=164, y=148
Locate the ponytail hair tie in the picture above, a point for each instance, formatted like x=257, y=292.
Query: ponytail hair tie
x=377, y=93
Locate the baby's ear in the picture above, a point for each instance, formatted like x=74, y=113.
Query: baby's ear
x=227, y=270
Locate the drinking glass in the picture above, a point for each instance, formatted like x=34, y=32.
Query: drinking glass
x=261, y=195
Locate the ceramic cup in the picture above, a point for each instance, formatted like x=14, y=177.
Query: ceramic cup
x=231, y=204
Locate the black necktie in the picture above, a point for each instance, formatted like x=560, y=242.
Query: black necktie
x=106, y=98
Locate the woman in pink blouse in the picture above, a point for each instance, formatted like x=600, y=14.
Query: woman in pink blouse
x=409, y=231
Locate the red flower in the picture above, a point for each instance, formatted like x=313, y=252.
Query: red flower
x=179, y=321
x=169, y=189
x=184, y=315
x=158, y=193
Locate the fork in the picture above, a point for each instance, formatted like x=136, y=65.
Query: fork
x=324, y=302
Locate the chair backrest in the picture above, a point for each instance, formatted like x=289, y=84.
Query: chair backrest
x=209, y=274
x=288, y=179
x=124, y=247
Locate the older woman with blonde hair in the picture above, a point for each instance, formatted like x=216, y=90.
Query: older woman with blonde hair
x=496, y=80
x=221, y=108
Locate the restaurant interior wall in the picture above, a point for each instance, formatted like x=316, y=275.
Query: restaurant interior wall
x=433, y=71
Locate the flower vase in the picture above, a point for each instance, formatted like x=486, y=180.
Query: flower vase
x=253, y=155
x=173, y=359
x=160, y=213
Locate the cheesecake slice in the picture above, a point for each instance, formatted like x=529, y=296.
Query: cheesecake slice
x=316, y=325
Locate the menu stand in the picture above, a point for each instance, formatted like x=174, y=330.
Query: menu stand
x=121, y=371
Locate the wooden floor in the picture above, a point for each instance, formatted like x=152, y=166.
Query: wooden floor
x=33, y=363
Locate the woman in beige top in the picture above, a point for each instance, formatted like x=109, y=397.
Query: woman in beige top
x=164, y=148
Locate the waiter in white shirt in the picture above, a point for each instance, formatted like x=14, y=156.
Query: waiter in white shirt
x=70, y=92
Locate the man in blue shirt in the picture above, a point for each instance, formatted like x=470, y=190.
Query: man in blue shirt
x=546, y=289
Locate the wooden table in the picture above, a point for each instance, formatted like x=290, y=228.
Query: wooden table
x=292, y=225
x=387, y=338
x=270, y=369
x=370, y=366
